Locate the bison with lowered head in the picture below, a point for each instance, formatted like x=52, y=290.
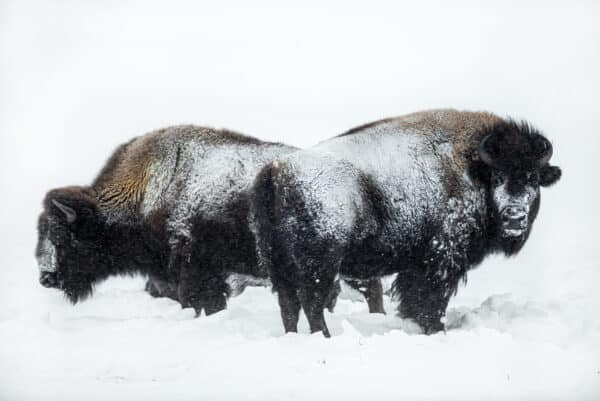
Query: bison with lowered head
x=172, y=204
x=427, y=196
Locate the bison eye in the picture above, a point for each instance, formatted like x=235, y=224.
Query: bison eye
x=533, y=178
x=497, y=179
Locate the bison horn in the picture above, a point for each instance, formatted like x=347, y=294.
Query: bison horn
x=545, y=158
x=483, y=154
x=68, y=211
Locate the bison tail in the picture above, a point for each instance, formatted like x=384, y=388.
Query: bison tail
x=262, y=217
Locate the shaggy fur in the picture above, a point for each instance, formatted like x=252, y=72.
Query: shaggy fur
x=172, y=204
x=90, y=249
x=126, y=221
x=426, y=196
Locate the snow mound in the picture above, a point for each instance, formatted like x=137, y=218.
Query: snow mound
x=123, y=343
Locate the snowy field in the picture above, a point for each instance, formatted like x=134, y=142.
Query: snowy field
x=79, y=77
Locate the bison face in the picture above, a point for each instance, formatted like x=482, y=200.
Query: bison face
x=516, y=163
x=516, y=200
x=69, y=242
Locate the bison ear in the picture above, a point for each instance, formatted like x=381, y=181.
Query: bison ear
x=71, y=204
x=549, y=175
x=543, y=150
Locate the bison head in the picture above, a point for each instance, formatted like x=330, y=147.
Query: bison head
x=69, y=249
x=515, y=164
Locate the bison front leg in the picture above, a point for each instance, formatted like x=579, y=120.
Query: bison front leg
x=195, y=287
x=158, y=287
x=179, y=265
x=201, y=283
x=424, y=296
x=203, y=288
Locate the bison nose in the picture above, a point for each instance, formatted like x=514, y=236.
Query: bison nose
x=514, y=216
x=48, y=279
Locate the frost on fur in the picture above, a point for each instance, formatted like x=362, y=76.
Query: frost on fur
x=426, y=196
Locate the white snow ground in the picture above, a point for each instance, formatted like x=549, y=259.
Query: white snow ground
x=78, y=78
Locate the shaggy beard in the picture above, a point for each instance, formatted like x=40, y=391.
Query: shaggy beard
x=77, y=290
x=510, y=245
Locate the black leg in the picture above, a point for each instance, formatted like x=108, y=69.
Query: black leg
x=314, y=295
x=333, y=296
x=170, y=291
x=289, y=305
x=374, y=296
x=284, y=280
x=180, y=254
x=151, y=288
x=424, y=297
x=157, y=287
x=372, y=290
x=202, y=289
x=179, y=267
x=200, y=299
x=314, y=311
x=213, y=303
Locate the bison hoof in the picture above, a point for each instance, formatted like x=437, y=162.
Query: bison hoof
x=151, y=289
x=432, y=327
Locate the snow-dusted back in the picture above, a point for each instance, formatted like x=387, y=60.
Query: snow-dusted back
x=78, y=78
x=411, y=164
x=196, y=171
x=404, y=166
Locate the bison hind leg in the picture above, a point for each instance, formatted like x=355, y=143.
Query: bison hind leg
x=312, y=295
x=315, y=295
x=372, y=290
x=333, y=295
x=289, y=305
x=314, y=303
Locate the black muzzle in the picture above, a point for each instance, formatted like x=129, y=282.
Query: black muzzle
x=514, y=218
x=49, y=279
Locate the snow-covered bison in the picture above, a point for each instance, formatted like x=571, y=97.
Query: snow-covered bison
x=427, y=196
x=172, y=204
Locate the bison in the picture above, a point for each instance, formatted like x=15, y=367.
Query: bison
x=159, y=197
x=172, y=204
x=426, y=196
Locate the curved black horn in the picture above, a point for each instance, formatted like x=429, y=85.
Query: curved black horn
x=68, y=211
x=545, y=158
x=483, y=154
